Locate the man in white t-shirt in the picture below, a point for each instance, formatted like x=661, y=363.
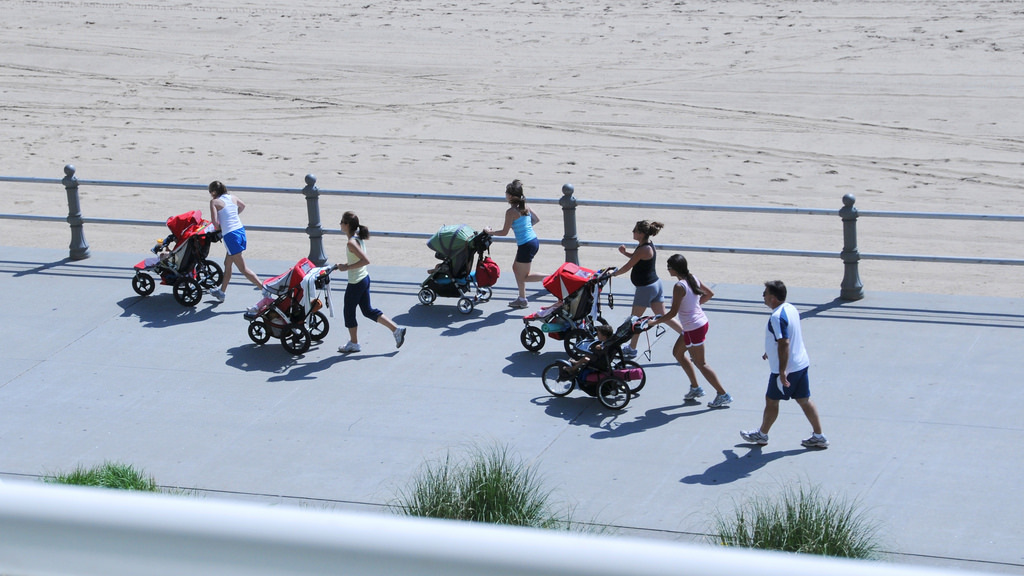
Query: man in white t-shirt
x=787, y=357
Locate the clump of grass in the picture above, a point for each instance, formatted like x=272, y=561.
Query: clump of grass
x=490, y=486
x=801, y=520
x=107, y=475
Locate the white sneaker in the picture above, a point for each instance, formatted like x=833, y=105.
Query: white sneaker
x=720, y=401
x=218, y=294
x=694, y=393
x=349, y=348
x=628, y=352
x=755, y=437
x=399, y=337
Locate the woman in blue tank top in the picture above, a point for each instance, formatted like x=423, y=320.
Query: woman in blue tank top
x=520, y=218
x=642, y=273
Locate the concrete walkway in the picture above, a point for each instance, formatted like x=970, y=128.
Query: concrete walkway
x=919, y=395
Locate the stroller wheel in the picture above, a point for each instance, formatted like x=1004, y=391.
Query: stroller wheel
x=258, y=332
x=532, y=338
x=318, y=326
x=556, y=378
x=187, y=291
x=465, y=305
x=484, y=294
x=210, y=274
x=634, y=385
x=613, y=393
x=427, y=296
x=572, y=343
x=143, y=284
x=296, y=340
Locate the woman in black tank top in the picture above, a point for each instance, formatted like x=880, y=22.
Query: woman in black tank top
x=643, y=274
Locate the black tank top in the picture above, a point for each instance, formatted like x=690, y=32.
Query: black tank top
x=643, y=272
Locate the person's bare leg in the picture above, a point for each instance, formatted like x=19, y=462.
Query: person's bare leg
x=636, y=311
x=679, y=351
x=228, y=260
x=353, y=335
x=248, y=272
x=697, y=355
x=811, y=412
x=771, y=413
x=387, y=323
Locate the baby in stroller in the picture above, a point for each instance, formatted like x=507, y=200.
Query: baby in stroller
x=180, y=260
x=459, y=247
x=290, y=308
x=601, y=370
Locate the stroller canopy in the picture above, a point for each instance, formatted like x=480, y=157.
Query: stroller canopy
x=185, y=225
x=291, y=279
x=452, y=242
x=567, y=279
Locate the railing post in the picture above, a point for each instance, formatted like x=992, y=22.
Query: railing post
x=570, y=241
x=79, y=248
x=314, y=230
x=851, y=288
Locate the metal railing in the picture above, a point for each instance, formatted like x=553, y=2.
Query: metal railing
x=53, y=529
x=851, y=287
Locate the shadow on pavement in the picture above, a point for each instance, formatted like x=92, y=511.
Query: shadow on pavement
x=736, y=467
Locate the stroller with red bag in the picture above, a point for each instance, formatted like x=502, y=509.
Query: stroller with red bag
x=180, y=260
x=458, y=246
x=290, y=308
x=577, y=312
x=601, y=370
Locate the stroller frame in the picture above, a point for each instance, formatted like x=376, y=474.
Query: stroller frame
x=606, y=375
x=186, y=268
x=572, y=320
x=286, y=318
x=451, y=279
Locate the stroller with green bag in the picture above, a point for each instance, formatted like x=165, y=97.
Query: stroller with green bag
x=458, y=247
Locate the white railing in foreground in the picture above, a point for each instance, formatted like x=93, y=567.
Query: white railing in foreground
x=49, y=529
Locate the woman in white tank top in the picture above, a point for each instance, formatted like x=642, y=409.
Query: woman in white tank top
x=224, y=211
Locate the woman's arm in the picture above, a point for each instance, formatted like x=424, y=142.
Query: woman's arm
x=707, y=293
x=240, y=204
x=637, y=255
x=533, y=217
x=214, y=214
x=509, y=217
x=678, y=293
x=361, y=259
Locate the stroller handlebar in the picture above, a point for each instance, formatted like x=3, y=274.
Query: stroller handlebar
x=642, y=323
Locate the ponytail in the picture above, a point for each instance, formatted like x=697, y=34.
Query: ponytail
x=678, y=264
x=518, y=199
x=648, y=228
x=352, y=221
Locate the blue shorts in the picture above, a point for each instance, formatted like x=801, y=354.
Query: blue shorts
x=234, y=241
x=799, y=386
x=527, y=250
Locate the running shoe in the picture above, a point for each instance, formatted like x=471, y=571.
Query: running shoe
x=755, y=437
x=720, y=401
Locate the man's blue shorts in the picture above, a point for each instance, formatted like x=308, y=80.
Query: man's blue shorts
x=799, y=386
x=234, y=241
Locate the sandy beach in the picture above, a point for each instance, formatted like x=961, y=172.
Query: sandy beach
x=908, y=105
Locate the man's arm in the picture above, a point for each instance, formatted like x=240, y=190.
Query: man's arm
x=783, y=344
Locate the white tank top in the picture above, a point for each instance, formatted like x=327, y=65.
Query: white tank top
x=228, y=215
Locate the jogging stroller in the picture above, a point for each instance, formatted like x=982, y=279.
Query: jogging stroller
x=458, y=247
x=180, y=260
x=290, y=308
x=577, y=312
x=604, y=373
